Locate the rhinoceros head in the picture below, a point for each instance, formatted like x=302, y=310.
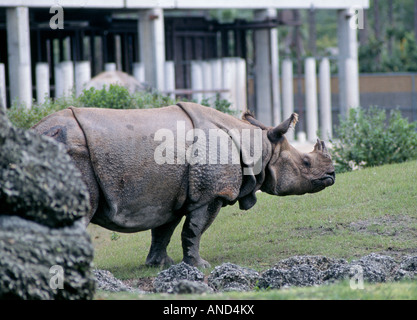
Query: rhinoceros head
x=289, y=171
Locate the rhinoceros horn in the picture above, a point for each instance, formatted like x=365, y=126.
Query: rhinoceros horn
x=320, y=146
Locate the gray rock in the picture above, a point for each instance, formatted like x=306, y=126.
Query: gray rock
x=407, y=269
x=190, y=287
x=167, y=279
x=106, y=281
x=319, y=263
x=107, y=78
x=303, y=271
x=231, y=277
x=44, y=248
x=409, y=264
x=38, y=180
x=28, y=251
x=376, y=268
x=302, y=276
x=337, y=272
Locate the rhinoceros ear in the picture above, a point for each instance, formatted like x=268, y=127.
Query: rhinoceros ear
x=274, y=134
x=251, y=119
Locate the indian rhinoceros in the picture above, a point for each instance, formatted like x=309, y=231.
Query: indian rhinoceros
x=146, y=169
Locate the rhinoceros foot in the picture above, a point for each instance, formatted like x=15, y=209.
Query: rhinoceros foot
x=159, y=261
x=199, y=263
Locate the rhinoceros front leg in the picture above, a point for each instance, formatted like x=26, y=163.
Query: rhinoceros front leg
x=161, y=237
x=195, y=224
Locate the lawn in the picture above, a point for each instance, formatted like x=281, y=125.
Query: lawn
x=371, y=210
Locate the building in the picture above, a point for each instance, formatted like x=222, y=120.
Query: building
x=149, y=34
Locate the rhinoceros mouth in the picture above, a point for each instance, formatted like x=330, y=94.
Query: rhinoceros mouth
x=323, y=182
x=327, y=180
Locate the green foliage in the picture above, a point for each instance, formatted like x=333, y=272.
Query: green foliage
x=115, y=97
x=367, y=138
x=404, y=55
x=222, y=105
x=23, y=117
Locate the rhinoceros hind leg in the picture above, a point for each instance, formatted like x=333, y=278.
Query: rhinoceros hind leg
x=196, y=223
x=161, y=237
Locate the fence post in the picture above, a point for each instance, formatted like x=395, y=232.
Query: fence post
x=3, y=100
x=311, y=98
x=82, y=76
x=42, y=81
x=325, y=99
x=197, y=79
x=287, y=93
x=169, y=80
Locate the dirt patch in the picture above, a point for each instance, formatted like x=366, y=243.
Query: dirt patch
x=143, y=284
x=399, y=226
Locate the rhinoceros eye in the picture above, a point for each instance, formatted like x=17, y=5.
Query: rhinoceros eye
x=307, y=162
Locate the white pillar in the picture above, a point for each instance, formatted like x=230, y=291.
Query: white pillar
x=352, y=83
x=241, y=98
x=216, y=76
x=207, y=81
x=325, y=99
x=287, y=93
x=276, y=97
x=348, y=49
x=18, y=44
x=267, y=71
x=170, y=78
x=82, y=76
x=67, y=73
x=229, y=81
x=59, y=81
x=197, y=80
x=311, y=98
x=42, y=82
x=3, y=100
x=139, y=71
x=110, y=66
x=152, y=46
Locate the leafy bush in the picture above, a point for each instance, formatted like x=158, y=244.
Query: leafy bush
x=367, y=138
x=115, y=97
x=23, y=117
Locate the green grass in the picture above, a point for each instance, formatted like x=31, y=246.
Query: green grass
x=340, y=291
x=371, y=210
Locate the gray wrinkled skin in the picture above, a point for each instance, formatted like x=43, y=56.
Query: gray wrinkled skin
x=131, y=192
x=28, y=250
x=231, y=277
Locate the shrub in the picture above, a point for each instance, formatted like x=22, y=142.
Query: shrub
x=367, y=138
x=115, y=97
x=23, y=117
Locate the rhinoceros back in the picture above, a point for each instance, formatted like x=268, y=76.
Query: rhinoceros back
x=136, y=193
